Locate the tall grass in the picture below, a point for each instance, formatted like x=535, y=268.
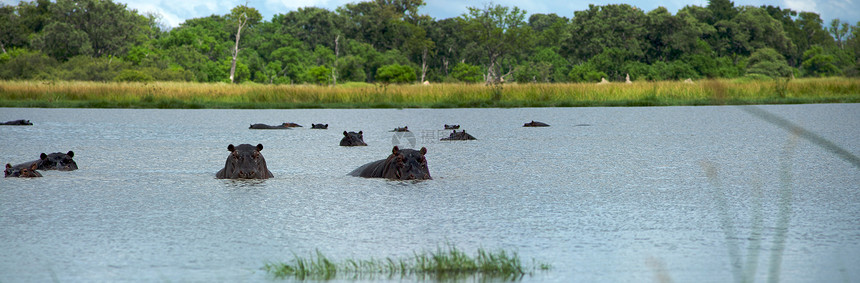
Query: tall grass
x=442, y=263
x=356, y=95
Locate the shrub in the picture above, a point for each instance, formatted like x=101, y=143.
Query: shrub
x=465, y=72
x=129, y=75
x=395, y=73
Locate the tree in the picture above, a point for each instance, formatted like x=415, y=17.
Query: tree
x=721, y=10
x=768, y=62
x=241, y=16
x=395, y=73
x=466, y=73
x=602, y=27
x=839, y=30
x=499, y=31
x=818, y=64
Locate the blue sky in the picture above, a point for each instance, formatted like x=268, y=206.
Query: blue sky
x=174, y=12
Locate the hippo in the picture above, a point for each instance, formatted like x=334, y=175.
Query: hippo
x=17, y=123
x=245, y=162
x=404, y=129
x=451, y=127
x=319, y=126
x=22, y=172
x=459, y=136
x=535, y=124
x=402, y=164
x=353, y=139
x=268, y=127
x=54, y=161
x=291, y=125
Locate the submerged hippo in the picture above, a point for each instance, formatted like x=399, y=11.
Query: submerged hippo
x=319, y=126
x=291, y=125
x=451, y=127
x=402, y=164
x=404, y=129
x=17, y=123
x=459, y=136
x=22, y=172
x=268, y=127
x=245, y=162
x=535, y=124
x=352, y=139
x=54, y=161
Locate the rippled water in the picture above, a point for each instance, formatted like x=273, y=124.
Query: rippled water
x=695, y=194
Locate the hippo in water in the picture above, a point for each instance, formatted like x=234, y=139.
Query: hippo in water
x=245, y=162
x=268, y=127
x=319, y=126
x=535, y=124
x=353, y=139
x=54, y=161
x=22, y=172
x=459, y=136
x=17, y=123
x=404, y=129
x=402, y=164
x=451, y=127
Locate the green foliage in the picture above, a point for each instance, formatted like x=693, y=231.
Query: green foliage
x=585, y=73
x=395, y=73
x=85, y=68
x=320, y=75
x=768, y=62
x=26, y=64
x=818, y=64
x=465, y=72
x=130, y=75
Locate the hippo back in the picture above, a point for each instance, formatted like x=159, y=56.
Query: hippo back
x=245, y=162
x=402, y=164
x=352, y=139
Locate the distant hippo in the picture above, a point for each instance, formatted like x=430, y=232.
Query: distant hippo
x=22, y=172
x=17, y=123
x=402, y=164
x=319, y=126
x=54, y=161
x=404, y=129
x=291, y=125
x=268, y=127
x=245, y=162
x=459, y=136
x=451, y=127
x=535, y=124
x=352, y=139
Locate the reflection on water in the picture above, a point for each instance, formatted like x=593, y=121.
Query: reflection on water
x=703, y=194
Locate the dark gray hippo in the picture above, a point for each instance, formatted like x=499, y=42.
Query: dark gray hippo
x=459, y=136
x=17, y=123
x=22, y=172
x=54, y=161
x=245, y=162
x=535, y=124
x=402, y=164
x=451, y=127
x=319, y=126
x=404, y=129
x=352, y=139
x=268, y=127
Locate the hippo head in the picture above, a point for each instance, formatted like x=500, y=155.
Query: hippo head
x=407, y=164
x=58, y=161
x=353, y=139
x=22, y=172
x=245, y=162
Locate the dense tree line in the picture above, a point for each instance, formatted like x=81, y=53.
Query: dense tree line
x=390, y=41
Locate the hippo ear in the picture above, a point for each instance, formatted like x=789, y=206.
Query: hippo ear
x=344, y=133
x=231, y=147
x=71, y=153
x=395, y=150
x=43, y=156
x=360, y=132
x=423, y=150
x=8, y=165
x=259, y=147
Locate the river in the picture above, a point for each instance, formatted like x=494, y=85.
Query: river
x=690, y=194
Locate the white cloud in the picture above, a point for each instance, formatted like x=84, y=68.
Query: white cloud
x=801, y=5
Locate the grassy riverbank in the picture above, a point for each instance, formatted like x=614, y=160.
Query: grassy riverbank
x=356, y=95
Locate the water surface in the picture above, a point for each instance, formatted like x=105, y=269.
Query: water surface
x=698, y=194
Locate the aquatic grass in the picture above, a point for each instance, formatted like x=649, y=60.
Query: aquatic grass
x=442, y=263
x=448, y=95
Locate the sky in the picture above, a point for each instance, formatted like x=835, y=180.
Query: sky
x=174, y=12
